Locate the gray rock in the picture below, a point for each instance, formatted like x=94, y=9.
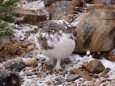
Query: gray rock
x=95, y=66
x=60, y=80
x=72, y=77
x=17, y=67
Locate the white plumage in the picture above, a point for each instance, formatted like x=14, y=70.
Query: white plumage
x=56, y=43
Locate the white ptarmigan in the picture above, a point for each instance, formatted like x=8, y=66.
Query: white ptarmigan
x=56, y=40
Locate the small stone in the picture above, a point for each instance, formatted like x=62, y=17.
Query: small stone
x=31, y=47
x=57, y=83
x=95, y=66
x=61, y=80
x=29, y=17
x=70, y=84
x=49, y=2
x=31, y=62
x=17, y=67
x=18, y=56
x=29, y=73
x=111, y=55
x=72, y=77
x=73, y=84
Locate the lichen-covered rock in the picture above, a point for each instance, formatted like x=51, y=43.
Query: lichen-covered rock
x=65, y=10
x=95, y=66
x=96, y=29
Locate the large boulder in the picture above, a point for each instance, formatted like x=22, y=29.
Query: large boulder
x=96, y=29
x=107, y=2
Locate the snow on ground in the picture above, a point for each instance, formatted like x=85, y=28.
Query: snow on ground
x=34, y=5
x=77, y=61
x=20, y=31
x=110, y=65
x=35, y=76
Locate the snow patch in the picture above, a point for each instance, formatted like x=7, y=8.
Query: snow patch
x=34, y=5
x=111, y=65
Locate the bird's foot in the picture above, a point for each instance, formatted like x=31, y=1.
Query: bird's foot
x=58, y=67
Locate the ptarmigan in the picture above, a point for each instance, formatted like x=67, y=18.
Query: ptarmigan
x=56, y=40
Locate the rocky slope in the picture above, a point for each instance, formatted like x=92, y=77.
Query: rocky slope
x=22, y=64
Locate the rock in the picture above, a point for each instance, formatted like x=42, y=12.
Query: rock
x=60, y=80
x=72, y=77
x=17, y=67
x=89, y=1
x=82, y=72
x=9, y=79
x=70, y=84
x=107, y=2
x=65, y=10
x=105, y=73
x=29, y=73
x=49, y=2
x=29, y=17
x=73, y=84
x=95, y=66
x=99, y=55
x=96, y=29
x=111, y=55
x=31, y=62
x=17, y=56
